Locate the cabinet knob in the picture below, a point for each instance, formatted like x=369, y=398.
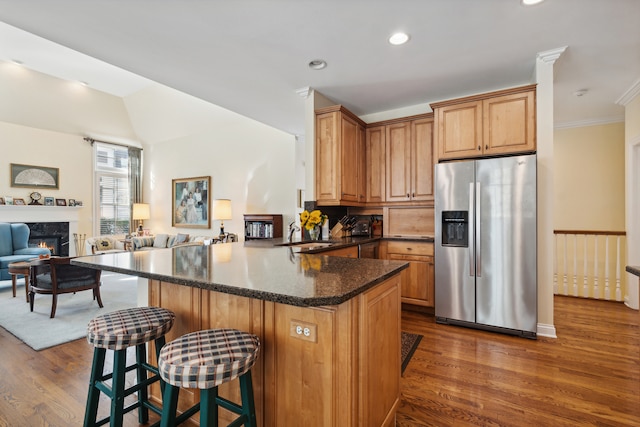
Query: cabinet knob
x=407, y=195
x=486, y=147
x=479, y=148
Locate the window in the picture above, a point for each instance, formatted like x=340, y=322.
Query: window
x=114, y=206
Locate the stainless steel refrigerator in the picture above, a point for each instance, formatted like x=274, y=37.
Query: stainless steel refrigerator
x=485, y=244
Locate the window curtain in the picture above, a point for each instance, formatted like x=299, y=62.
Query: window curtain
x=135, y=178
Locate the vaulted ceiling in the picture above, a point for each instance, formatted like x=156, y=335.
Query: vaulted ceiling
x=251, y=56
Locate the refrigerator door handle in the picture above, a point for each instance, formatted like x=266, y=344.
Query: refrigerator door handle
x=478, y=237
x=471, y=230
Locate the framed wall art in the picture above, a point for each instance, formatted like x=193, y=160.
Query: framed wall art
x=19, y=202
x=34, y=176
x=61, y=202
x=190, y=202
x=48, y=201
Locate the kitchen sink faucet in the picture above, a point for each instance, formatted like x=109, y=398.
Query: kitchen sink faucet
x=292, y=229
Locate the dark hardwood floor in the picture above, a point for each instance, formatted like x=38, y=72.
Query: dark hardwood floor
x=589, y=375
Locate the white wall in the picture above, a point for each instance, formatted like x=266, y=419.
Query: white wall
x=250, y=163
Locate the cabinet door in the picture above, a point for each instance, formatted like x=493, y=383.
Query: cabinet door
x=349, y=252
x=349, y=160
x=509, y=123
x=459, y=132
x=375, y=161
x=422, y=160
x=417, y=280
x=362, y=165
x=398, y=162
x=328, y=162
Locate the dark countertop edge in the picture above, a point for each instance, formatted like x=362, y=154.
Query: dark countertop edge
x=633, y=270
x=266, y=296
x=346, y=242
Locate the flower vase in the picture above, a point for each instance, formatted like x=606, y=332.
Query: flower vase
x=314, y=233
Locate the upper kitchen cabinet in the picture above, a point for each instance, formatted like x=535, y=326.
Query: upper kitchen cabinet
x=375, y=147
x=340, y=157
x=496, y=123
x=409, y=160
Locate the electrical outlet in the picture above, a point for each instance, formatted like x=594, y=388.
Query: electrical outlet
x=303, y=330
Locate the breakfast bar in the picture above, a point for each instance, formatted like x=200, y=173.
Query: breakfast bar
x=329, y=326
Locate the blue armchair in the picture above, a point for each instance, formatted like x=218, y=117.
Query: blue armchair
x=14, y=247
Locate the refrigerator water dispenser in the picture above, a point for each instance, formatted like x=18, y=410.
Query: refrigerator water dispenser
x=455, y=228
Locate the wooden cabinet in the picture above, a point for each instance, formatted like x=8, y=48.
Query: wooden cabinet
x=345, y=373
x=409, y=161
x=495, y=123
x=375, y=153
x=340, y=161
x=262, y=226
x=348, y=252
x=418, y=280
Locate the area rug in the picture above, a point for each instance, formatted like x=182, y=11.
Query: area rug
x=73, y=313
x=409, y=345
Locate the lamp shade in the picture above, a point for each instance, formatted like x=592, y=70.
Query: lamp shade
x=140, y=211
x=222, y=209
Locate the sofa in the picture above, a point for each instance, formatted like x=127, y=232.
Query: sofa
x=14, y=247
x=160, y=241
x=105, y=244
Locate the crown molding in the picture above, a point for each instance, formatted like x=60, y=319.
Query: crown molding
x=589, y=122
x=550, y=56
x=304, y=92
x=629, y=94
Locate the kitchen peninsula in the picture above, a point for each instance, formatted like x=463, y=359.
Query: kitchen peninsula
x=329, y=326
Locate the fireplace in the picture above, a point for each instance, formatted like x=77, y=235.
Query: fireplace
x=52, y=235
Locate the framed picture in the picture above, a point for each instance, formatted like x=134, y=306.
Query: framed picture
x=19, y=202
x=48, y=201
x=190, y=202
x=1, y=200
x=72, y=202
x=61, y=202
x=78, y=202
x=34, y=176
x=8, y=200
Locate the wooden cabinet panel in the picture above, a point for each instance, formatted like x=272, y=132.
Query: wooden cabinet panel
x=422, y=160
x=418, y=280
x=340, y=163
x=398, y=162
x=509, y=123
x=459, y=130
x=349, y=158
x=495, y=123
x=328, y=162
x=412, y=222
x=349, y=252
x=375, y=164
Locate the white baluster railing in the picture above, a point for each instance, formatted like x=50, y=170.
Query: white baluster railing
x=590, y=261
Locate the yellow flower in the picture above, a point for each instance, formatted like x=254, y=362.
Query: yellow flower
x=313, y=219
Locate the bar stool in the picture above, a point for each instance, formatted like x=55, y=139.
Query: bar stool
x=118, y=331
x=204, y=360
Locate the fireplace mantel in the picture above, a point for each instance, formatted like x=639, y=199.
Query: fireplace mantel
x=30, y=213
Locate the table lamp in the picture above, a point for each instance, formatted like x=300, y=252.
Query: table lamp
x=140, y=212
x=222, y=211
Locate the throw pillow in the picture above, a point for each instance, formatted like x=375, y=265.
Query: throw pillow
x=104, y=244
x=160, y=241
x=141, y=242
x=180, y=238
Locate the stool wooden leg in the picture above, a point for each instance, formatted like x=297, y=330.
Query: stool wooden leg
x=208, y=407
x=117, y=385
x=91, y=411
x=248, y=405
x=169, y=406
x=143, y=394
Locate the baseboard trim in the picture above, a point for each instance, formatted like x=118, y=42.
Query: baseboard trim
x=548, y=331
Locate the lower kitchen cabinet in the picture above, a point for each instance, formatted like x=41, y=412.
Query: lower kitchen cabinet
x=348, y=252
x=418, y=280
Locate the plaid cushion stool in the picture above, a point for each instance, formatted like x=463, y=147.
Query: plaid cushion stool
x=117, y=331
x=204, y=360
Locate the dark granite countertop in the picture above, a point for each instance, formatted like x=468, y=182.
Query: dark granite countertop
x=633, y=270
x=261, y=271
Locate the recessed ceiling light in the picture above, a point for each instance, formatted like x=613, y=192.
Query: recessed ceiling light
x=580, y=92
x=318, y=64
x=531, y=2
x=398, y=39
x=16, y=61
